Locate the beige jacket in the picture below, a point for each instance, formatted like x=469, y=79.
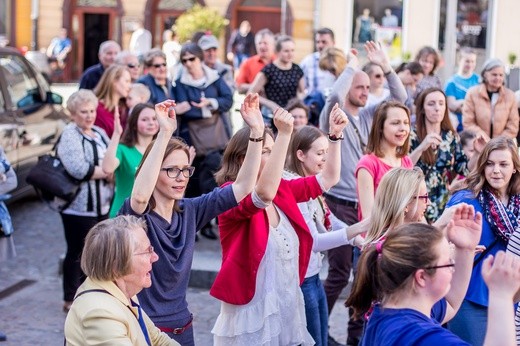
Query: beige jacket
x=98, y=318
x=477, y=112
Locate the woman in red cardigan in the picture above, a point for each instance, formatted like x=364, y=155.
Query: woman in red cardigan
x=266, y=243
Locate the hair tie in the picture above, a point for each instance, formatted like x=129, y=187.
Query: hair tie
x=379, y=248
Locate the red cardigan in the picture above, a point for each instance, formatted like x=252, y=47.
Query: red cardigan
x=243, y=235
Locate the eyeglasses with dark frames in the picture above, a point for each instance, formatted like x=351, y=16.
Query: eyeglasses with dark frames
x=192, y=59
x=449, y=265
x=148, y=251
x=423, y=197
x=174, y=172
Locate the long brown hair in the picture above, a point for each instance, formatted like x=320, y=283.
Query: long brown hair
x=234, y=155
x=388, y=268
x=301, y=140
x=376, y=133
x=476, y=180
x=429, y=156
x=129, y=137
x=174, y=144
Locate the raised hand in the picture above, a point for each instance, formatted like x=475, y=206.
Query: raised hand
x=338, y=120
x=118, y=129
x=465, y=227
x=284, y=121
x=352, y=58
x=166, y=116
x=250, y=111
x=377, y=55
x=502, y=273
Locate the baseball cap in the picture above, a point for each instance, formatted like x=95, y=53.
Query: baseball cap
x=207, y=42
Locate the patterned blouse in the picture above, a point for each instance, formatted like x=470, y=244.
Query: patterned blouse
x=451, y=160
x=282, y=85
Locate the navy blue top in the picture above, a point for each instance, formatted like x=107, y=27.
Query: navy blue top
x=91, y=77
x=157, y=93
x=396, y=327
x=174, y=241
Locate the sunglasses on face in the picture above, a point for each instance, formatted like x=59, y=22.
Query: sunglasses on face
x=159, y=65
x=192, y=59
x=132, y=65
x=378, y=75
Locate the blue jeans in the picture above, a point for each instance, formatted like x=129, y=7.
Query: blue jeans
x=239, y=59
x=470, y=323
x=316, y=310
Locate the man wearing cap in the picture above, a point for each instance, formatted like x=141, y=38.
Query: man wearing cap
x=209, y=45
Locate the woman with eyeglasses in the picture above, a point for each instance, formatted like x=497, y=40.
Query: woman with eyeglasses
x=117, y=259
x=493, y=189
x=378, y=92
x=172, y=220
x=435, y=147
x=413, y=282
x=156, y=79
x=112, y=89
x=203, y=100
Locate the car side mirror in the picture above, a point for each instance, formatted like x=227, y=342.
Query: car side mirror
x=54, y=98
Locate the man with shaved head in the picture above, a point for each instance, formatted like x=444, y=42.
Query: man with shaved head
x=351, y=91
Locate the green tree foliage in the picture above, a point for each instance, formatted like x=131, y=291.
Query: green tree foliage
x=199, y=18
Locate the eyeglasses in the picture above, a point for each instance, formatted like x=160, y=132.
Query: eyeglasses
x=174, y=172
x=449, y=265
x=192, y=59
x=378, y=75
x=159, y=65
x=424, y=197
x=132, y=65
x=148, y=251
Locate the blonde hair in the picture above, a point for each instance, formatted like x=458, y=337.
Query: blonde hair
x=334, y=60
x=109, y=245
x=104, y=90
x=397, y=189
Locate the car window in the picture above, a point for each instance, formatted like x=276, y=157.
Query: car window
x=21, y=85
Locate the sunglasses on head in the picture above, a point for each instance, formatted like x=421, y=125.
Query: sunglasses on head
x=192, y=59
x=159, y=65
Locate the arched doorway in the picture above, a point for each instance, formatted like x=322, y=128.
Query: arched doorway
x=161, y=15
x=90, y=22
x=260, y=13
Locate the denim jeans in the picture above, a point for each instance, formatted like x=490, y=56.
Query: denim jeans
x=316, y=310
x=470, y=323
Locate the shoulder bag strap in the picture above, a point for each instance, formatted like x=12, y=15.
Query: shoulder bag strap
x=353, y=124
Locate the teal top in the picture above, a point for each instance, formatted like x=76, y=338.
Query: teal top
x=129, y=159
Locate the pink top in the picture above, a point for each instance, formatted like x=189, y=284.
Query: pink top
x=377, y=169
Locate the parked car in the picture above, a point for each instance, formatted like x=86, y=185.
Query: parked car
x=31, y=116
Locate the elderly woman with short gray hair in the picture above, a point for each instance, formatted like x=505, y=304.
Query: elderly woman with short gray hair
x=490, y=108
x=117, y=259
x=81, y=149
x=157, y=78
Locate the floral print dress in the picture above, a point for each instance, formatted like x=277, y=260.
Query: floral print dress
x=451, y=160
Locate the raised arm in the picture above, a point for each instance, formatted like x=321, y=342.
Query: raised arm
x=331, y=171
x=502, y=275
x=463, y=232
x=269, y=179
x=246, y=178
x=257, y=86
x=145, y=181
x=110, y=161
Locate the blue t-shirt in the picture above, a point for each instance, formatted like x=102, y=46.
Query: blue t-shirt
x=457, y=87
x=477, y=290
x=174, y=241
x=396, y=327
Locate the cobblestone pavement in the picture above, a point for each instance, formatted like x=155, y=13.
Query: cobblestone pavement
x=32, y=312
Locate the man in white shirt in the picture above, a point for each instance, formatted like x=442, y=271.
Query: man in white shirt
x=141, y=41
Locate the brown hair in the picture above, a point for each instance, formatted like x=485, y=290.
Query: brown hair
x=302, y=140
x=105, y=90
x=476, y=179
x=107, y=254
x=175, y=143
x=429, y=156
x=296, y=103
x=376, y=133
x=234, y=155
x=129, y=137
x=384, y=272
x=425, y=51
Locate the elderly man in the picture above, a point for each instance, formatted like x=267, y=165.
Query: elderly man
x=264, y=41
x=131, y=61
x=209, y=45
x=107, y=55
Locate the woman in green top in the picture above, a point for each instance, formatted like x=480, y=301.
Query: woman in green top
x=125, y=150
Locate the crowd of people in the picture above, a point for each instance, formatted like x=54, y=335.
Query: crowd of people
x=410, y=184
